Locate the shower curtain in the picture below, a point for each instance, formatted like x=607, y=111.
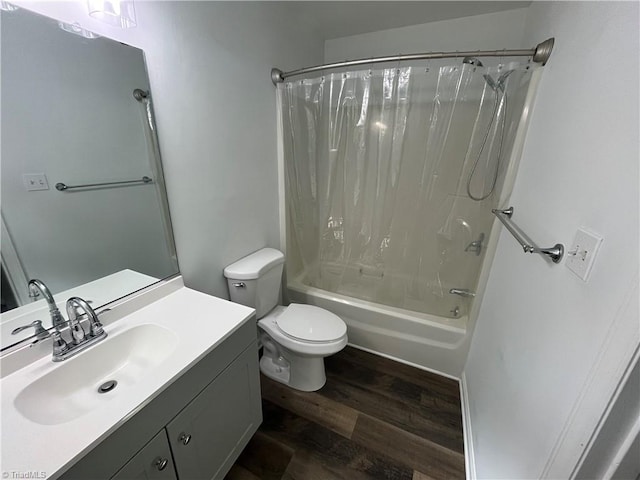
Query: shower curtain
x=376, y=167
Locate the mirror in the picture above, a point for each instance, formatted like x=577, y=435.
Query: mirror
x=69, y=116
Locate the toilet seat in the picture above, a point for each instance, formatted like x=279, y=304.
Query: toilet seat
x=269, y=325
x=308, y=323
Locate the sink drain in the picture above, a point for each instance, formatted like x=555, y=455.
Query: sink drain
x=107, y=386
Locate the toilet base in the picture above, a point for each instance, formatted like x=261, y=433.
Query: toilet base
x=297, y=371
x=274, y=370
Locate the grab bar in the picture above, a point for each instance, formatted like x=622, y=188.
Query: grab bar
x=555, y=253
x=62, y=187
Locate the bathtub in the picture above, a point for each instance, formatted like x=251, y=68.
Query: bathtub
x=426, y=341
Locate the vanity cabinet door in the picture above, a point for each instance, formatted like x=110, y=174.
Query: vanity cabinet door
x=153, y=462
x=211, y=432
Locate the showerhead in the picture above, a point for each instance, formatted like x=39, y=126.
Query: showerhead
x=490, y=81
x=493, y=84
x=502, y=79
x=500, y=83
x=477, y=63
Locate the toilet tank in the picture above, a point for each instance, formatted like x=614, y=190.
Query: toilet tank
x=255, y=280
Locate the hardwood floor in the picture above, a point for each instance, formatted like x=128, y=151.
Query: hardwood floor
x=374, y=418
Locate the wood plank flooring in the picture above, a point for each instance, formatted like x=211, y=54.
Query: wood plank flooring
x=374, y=419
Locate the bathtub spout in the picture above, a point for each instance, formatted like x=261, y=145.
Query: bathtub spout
x=463, y=292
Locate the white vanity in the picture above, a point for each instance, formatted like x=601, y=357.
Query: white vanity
x=187, y=398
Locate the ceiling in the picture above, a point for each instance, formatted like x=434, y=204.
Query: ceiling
x=334, y=19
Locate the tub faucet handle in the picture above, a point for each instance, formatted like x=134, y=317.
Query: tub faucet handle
x=476, y=245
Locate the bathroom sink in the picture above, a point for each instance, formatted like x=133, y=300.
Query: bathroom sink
x=71, y=390
x=54, y=408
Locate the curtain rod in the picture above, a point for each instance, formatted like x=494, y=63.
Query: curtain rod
x=540, y=54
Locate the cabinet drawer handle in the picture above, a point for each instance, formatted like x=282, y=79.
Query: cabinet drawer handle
x=184, y=438
x=161, y=463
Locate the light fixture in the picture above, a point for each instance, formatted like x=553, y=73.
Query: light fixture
x=8, y=7
x=76, y=29
x=117, y=13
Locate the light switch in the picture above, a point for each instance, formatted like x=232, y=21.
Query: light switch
x=35, y=181
x=582, y=254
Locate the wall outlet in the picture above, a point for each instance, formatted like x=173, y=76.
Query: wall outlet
x=35, y=181
x=582, y=254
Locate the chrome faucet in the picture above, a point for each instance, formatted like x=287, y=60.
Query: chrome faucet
x=463, y=292
x=76, y=303
x=35, y=288
x=80, y=340
x=77, y=332
x=476, y=245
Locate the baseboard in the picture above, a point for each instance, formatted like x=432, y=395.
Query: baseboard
x=400, y=360
x=469, y=457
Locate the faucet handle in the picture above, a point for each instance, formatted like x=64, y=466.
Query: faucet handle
x=40, y=331
x=59, y=345
x=95, y=328
x=77, y=332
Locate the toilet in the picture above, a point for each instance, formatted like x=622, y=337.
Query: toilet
x=295, y=338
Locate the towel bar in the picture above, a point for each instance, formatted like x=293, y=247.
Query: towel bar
x=62, y=186
x=555, y=253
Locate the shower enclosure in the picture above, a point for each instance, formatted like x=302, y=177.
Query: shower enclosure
x=390, y=178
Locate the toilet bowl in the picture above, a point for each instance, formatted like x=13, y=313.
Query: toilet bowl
x=296, y=338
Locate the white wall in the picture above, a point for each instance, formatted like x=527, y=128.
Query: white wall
x=209, y=65
x=479, y=32
x=540, y=329
x=68, y=112
x=616, y=436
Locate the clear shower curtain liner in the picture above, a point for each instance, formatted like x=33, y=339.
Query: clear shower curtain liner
x=377, y=164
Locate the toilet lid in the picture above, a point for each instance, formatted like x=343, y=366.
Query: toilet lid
x=310, y=323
